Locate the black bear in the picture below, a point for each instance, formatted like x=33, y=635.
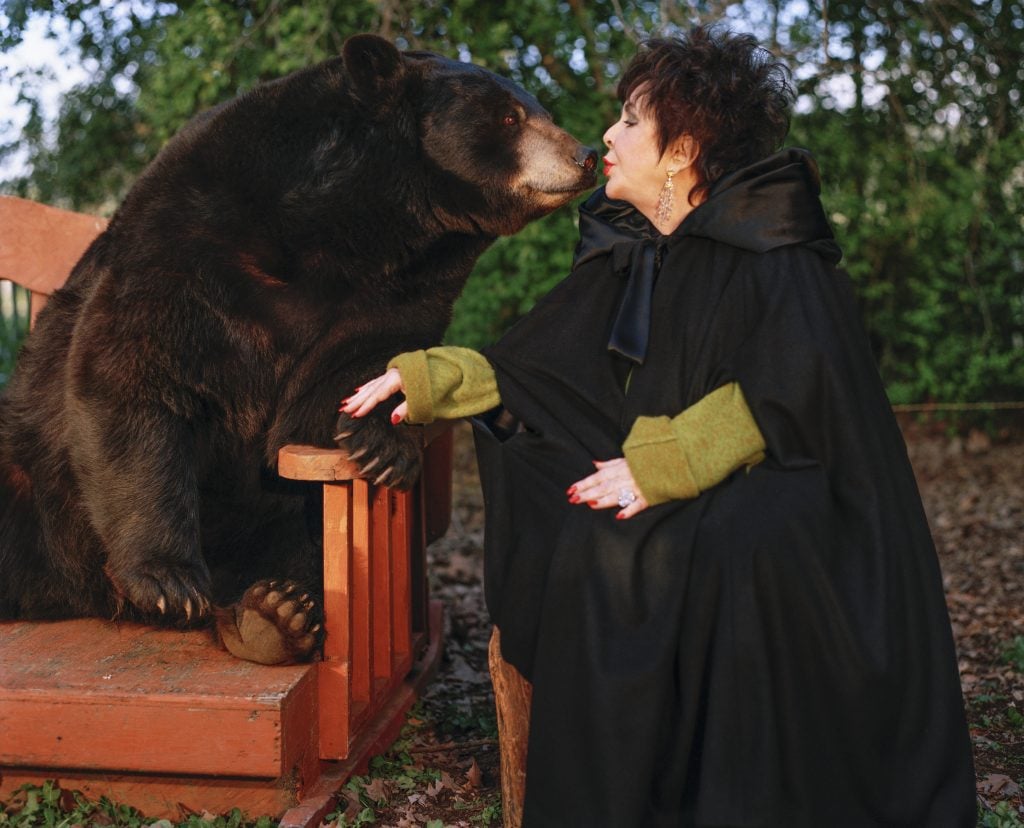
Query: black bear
x=277, y=252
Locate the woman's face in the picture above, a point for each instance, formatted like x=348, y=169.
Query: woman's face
x=635, y=167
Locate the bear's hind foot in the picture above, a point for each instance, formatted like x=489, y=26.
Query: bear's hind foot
x=273, y=623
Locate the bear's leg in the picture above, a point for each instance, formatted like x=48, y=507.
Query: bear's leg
x=51, y=565
x=135, y=472
x=274, y=623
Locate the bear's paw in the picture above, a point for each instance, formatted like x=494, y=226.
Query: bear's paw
x=386, y=455
x=273, y=623
x=170, y=594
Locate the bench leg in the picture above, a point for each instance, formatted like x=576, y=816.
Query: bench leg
x=512, y=699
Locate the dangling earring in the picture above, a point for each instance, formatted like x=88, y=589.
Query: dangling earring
x=666, y=200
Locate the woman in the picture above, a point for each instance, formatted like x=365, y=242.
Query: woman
x=738, y=618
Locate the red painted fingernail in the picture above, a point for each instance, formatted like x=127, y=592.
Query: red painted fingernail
x=620, y=516
x=571, y=490
x=591, y=503
x=574, y=499
x=395, y=419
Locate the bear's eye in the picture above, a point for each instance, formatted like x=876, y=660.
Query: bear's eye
x=510, y=119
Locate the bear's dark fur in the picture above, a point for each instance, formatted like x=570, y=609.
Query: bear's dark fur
x=276, y=253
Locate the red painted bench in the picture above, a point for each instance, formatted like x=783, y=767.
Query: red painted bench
x=165, y=720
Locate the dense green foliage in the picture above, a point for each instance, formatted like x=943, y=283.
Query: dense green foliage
x=913, y=110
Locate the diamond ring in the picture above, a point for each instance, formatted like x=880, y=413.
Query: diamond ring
x=626, y=496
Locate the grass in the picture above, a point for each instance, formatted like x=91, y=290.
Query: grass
x=1013, y=653
x=1002, y=815
x=50, y=806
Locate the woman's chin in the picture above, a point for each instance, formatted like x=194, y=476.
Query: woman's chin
x=612, y=191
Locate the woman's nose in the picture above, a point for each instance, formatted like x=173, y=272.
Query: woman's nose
x=607, y=137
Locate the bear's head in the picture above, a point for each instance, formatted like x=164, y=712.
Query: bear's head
x=492, y=157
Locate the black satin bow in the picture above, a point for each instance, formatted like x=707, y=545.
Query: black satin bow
x=632, y=323
x=617, y=228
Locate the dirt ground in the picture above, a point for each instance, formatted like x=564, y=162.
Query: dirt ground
x=973, y=492
x=444, y=772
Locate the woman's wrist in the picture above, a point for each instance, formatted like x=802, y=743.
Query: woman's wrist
x=415, y=373
x=658, y=463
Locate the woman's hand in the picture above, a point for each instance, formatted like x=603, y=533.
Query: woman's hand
x=373, y=392
x=611, y=486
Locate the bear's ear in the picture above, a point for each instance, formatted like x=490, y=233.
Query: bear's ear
x=374, y=65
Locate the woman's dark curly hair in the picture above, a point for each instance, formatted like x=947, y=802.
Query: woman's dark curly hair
x=722, y=89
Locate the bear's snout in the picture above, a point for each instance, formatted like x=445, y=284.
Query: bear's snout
x=553, y=163
x=586, y=158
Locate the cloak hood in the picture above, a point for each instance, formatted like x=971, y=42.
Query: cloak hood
x=770, y=204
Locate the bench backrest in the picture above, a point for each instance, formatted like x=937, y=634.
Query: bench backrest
x=39, y=245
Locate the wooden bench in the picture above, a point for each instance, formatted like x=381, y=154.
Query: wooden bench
x=168, y=722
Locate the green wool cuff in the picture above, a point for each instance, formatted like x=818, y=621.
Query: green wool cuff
x=680, y=457
x=719, y=435
x=658, y=462
x=446, y=382
x=412, y=365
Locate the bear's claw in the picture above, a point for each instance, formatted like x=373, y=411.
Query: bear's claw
x=271, y=624
x=375, y=445
x=167, y=594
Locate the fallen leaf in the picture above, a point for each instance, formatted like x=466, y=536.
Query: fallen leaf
x=67, y=800
x=410, y=819
x=978, y=441
x=378, y=790
x=1000, y=783
x=474, y=776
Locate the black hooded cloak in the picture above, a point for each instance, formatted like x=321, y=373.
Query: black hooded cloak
x=777, y=651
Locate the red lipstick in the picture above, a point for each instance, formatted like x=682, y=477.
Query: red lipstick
x=607, y=166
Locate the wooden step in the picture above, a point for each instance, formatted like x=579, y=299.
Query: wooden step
x=168, y=723
x=168, y=715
